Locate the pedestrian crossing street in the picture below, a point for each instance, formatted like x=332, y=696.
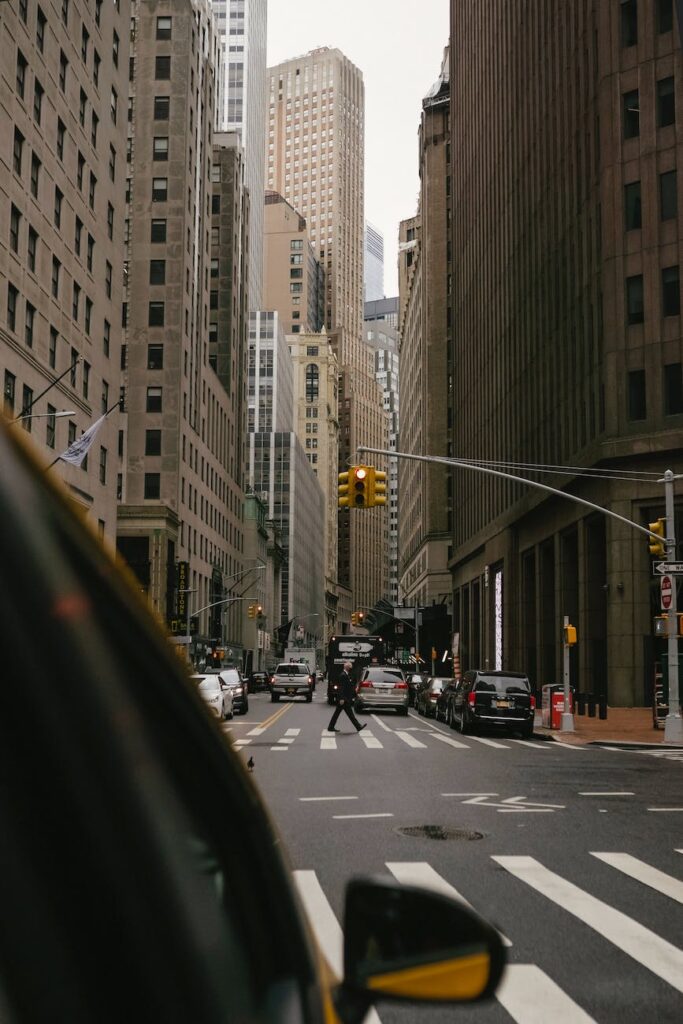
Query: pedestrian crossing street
x=527, y=992
x=417, y=738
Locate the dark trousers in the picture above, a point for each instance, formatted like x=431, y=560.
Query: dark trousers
x=346, y=706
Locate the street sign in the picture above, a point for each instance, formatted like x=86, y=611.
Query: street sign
x=669, y=568
x=666, y=592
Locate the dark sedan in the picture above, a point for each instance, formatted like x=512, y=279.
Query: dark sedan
x=428, y=696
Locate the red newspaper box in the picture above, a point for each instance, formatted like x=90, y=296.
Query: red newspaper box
x=552, y=705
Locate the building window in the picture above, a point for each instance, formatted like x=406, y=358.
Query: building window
x=105, y=397
x=154, y=399
x=75, y=301
x=110, y=221
x=162, y=68
x=41, y=22
x=12, y=297
x=631, y=114
x=28, y=324
x=88, y=315
x=103, y=465
x=96, y=68
x=26, y=403
x=158, y=231
x=673, y=389
x=91, y=191
x=78, y=234
x=632, y=210
x=671, y=296
x=635, y=312
x=23, y=10
x=214, y=267
x=107, y=278
x=637, y=405
x=94, y=122
x=152, y=442
x=312, y=382
x=156, y=314
x=65, y=11
x=159, y=190
x=155, y=357
x=82, y=104
x=85, y=39
x=162, y=108
x=629, y=22
x=79, y=171
x=85, y=383
x=63, y=65
x=32, y=248
x=164, y=28
x=668, y=196
x=157, y=271
x=112, y=163
x=61, y=131
x=106, y=338
x=18, y=151
x=38, y=92
x=56, y=267
x=52, y=349
x=21, y=74
x=90, y=252
x=215, y=204
x=152, y=485
x=115, y=48
x=14, y=222
x=666, y=102
x=215, y=236
x=665, y=16
x=160, y=150
x=35, y=176
x=50, y=426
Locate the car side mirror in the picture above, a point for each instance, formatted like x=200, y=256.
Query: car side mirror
x=404, y=943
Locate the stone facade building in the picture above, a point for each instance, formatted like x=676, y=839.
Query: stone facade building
x=567, y=342
x=290, y=269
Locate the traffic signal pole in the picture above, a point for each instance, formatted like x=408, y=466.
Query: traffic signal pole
x=673, y=730
x=673, y=724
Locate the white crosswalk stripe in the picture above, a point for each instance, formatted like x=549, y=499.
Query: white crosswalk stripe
x=644, y=873
x=370, y=741
x=531, y=997
x=645, y=946
x=411, y=740
x=449, y=740
x=488, y=743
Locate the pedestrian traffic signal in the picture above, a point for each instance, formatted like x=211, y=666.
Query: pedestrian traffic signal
x=657, y=546
x=360, y=491
x=343, y=491
x=570, y=635
x=378, y=487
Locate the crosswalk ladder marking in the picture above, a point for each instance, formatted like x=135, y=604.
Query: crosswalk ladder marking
x=644, y=873
x=531, y=997
x=409, y=739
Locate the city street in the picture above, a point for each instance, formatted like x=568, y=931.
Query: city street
x=574, y=853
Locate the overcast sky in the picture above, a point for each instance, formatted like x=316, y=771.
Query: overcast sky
x=398, y=45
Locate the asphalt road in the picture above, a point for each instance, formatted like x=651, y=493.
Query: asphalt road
x=592, y=938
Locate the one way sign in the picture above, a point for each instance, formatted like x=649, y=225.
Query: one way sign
x=669, y=568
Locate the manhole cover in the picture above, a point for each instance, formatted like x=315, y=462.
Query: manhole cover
x=438, y=832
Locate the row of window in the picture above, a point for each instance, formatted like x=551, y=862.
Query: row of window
x=668, y=201
x=36, y=166
x=672, y=392
x=665, y=100
x=663, y=12
x=670, y=295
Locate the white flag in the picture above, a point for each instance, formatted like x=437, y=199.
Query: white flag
x=77, y=451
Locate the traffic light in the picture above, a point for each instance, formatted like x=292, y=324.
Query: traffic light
x=354, y=618
x=657, y=547
x=378, y=487
x=259, y=611
x=360, y=489
x=570, y=635
x=343, y=491
x=251, y=611
x=361, y=618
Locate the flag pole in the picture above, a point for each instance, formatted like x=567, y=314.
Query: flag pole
x=116, y=405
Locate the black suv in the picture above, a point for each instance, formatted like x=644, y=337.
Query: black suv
x=500, y=699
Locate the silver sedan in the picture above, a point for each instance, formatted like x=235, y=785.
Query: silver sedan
x=383, y=687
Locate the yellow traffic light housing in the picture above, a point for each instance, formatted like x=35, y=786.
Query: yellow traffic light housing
x=657, y=545
x=251, y=611
x=343, y=490
x=354, y=618
x=360, y=486
x=570, y=635
x=378, y=488
x=361, y=618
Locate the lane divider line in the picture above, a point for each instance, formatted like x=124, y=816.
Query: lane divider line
x=382, y=814
x=316, y=799
x=270, y=721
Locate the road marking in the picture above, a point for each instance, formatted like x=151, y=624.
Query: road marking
x=667, y=810
x=531, y=997
x=410, y=739
x=608, y=793
x=516, y=805
x=422, y=873
x=384, y=814
x=378, y=721
x=646, y=947
x=279, y=748
x=370, y=741
x=292, y=732
x=559, y=745
x=271, y=720
x=240, y=743
x=534, y=744
x=328, y=743
x=489, y=743
x=325, y=926
x=286, y=739
x=449, y=741
x=469, y=794
x=645, y=873
x=315, y=799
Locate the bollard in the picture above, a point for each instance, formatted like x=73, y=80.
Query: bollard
x=591, y=705
x=603, y=708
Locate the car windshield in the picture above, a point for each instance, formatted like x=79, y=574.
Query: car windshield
x=384, y=673
x=292, y=670
x=438, y=684
x=230, y=676
x=210, y=685
x=502, y=684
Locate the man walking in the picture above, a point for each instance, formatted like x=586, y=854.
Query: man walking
x=345, y=701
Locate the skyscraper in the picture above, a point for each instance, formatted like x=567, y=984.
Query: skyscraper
x=291, y=269
x=241, y=107
x=373, y=266
x=315, y=159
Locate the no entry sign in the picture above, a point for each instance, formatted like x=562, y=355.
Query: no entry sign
x=666, y=593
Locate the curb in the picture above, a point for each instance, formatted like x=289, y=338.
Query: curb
x=634, y=745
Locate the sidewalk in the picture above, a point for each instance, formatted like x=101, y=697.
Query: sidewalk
x=622, y=725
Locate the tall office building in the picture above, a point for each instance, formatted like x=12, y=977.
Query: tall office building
x=64, y=71
x=315, y=160
x=567, y=339
x=181, y=516
x=373, y=263
x=290, y=268
x=241, y=26
x=425, y=498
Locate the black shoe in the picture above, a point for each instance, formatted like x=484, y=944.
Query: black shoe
x=333, y=730
x=361, y=727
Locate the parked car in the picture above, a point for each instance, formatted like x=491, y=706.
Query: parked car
x=151, y=884
x=258, y=681
x=382, y=687
x=216, y=694
x=415, y=682
x=499, y=699
x=428, y=696
x=291, y=679
x=233, y=678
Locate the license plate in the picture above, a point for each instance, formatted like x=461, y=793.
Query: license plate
x=503, y=704
x=383, y=689
x=291, y=691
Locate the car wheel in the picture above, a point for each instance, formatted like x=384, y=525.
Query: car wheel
x=274, y=698
x=246, y=707
x=403, y=711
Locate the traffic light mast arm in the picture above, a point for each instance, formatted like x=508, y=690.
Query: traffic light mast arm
x=464, y=464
